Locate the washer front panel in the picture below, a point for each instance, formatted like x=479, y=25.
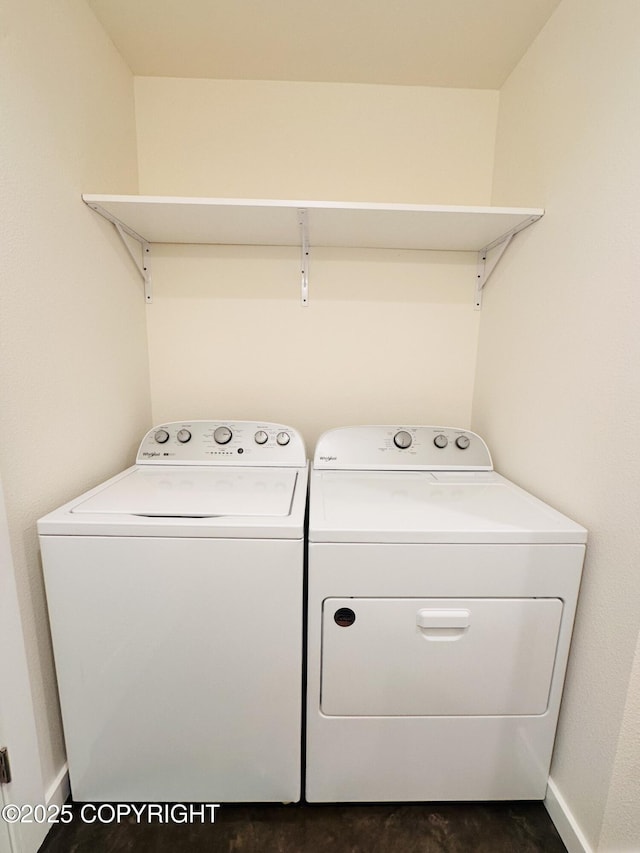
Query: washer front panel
x=179, y=664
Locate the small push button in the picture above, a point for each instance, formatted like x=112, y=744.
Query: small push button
x=344, y=617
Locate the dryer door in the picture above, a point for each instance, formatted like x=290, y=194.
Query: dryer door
x=433, y=657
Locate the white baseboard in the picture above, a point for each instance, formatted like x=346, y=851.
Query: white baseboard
x=58, y=792
x=28, y=837
x=564, y=821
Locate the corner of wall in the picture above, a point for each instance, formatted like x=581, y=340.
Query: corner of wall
x=565, y=822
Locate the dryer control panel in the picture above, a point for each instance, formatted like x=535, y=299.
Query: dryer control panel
x=399, y=448
x=255, y=443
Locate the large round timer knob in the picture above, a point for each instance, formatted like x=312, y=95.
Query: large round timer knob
x=402, y=439
x=222, y=435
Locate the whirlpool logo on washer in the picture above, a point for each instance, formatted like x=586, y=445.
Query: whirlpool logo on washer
x=151, y=453
x=328, y=458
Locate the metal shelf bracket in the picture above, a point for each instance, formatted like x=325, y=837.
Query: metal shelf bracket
x=304, y=257
x=486, y=266
x=487, y=263
x=143, y=263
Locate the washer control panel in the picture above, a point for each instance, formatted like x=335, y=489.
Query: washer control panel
x=425, y=448
x=255, y=443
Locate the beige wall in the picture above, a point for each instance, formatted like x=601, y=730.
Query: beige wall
x=557, y=388
x=388, y=336
x=621, y=826
x=73, y=361
x=332, y=141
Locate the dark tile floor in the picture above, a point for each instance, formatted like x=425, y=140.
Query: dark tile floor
x=522, y=827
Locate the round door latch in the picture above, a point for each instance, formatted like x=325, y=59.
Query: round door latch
x=344, y=617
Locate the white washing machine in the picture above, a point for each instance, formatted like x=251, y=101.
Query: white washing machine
x=441, y=601
x=175, y=595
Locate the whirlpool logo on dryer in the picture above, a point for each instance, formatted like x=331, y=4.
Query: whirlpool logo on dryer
x=328, y=458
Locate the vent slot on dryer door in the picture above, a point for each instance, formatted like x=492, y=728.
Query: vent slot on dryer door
x=438, y=657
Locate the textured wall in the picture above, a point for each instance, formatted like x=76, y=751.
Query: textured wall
x=73, y=360
x=557, y=391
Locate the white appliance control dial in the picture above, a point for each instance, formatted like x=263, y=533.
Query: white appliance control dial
x=261, y=437
x=441, y=441
x=463, y=441
x=222, y=435
x=183, y=436
x=402, y=439
x=283, y=438
x=161, y=436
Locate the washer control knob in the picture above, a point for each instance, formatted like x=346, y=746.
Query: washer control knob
x=462, y=441
x=161, y=436
x=261, y=437
x=441, y=441
x=283, y=438
x=222, y=435
x=183, y=436
x=402, y=439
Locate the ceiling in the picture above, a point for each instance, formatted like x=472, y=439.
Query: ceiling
x=453, y=43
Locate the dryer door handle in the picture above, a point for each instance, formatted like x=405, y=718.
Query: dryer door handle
x=444, y=618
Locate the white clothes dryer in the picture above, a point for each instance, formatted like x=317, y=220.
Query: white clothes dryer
x=175, y=595
x=441, y=601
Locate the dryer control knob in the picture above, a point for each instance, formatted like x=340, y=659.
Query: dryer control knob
x=161, y=436
x=462, y=441
x=222, y=435
x=261, y=437
x=441, y=441
x=183, y=436
x=402, y=439
x=283, y=438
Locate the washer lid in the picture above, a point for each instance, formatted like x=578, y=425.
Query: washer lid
x=427, y=506
x=189, y=492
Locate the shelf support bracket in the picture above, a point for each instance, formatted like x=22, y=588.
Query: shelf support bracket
x=143, y=263
x=487, y=264
x=304, y=257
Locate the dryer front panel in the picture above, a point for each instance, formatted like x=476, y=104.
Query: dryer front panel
x=438, y=656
